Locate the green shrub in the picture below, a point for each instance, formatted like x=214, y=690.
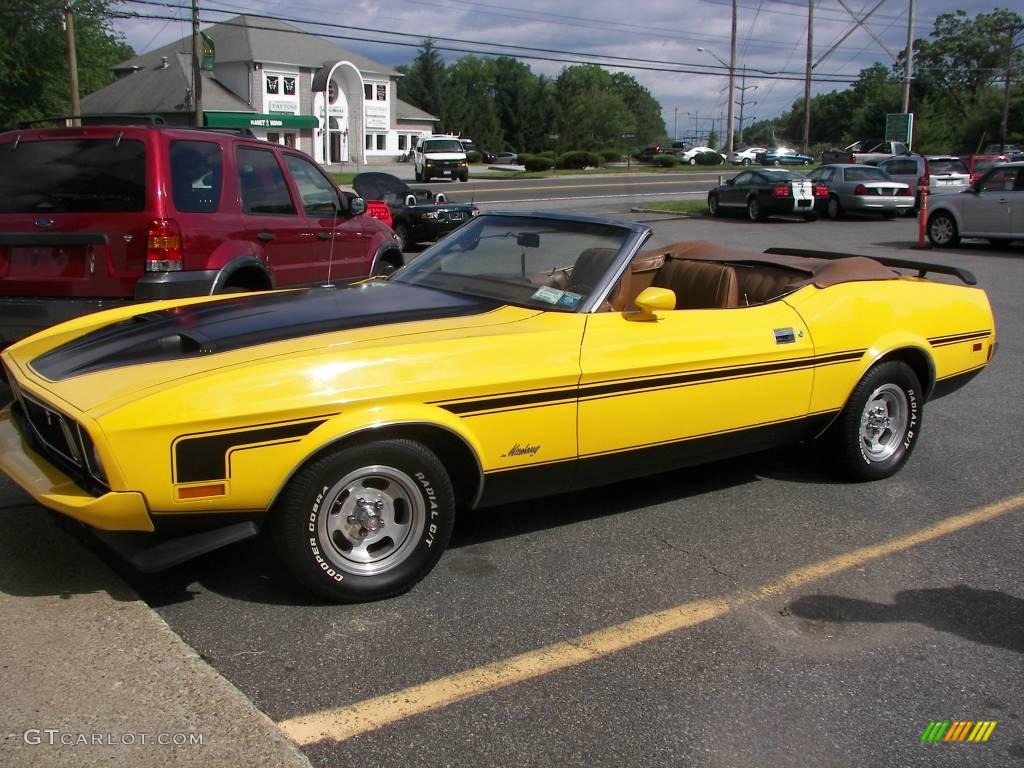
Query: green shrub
x=473, y=156
x=611, y=155
x=709, y=158
x=578, y=160
x=665, y=160
x=535, y=163
x=548, y=153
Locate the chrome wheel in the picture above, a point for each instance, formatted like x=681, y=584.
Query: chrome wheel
x=371, y=520
x=713, y=205
x=883, y=422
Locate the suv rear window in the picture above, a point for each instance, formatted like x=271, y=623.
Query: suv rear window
x=952, y=165
x=73, y=176
x=196, y=173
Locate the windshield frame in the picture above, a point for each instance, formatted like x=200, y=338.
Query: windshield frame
x=634, y=236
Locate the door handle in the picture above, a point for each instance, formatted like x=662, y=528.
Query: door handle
x=266, y=237
x=324, y=235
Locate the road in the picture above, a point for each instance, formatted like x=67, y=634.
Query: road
x=750, y=613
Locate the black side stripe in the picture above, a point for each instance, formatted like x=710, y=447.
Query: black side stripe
x=519, y=400
x=204, y=457
x=958, y=338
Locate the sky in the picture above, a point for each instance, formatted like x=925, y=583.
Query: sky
x=648, y=35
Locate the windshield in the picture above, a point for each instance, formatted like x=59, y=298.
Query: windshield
x=529, y=261
x=442, y=145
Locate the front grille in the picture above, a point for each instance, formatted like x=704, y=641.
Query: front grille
x=61, y=440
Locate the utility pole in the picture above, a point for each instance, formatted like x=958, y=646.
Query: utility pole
x=908, y=63
x=675, y=124
x=69, y=33
x=732, y=82
x=807, y=78
x=743, y=100
x=197, y=70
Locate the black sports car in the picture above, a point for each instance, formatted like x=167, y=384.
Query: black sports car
x=767, y=192
x=418, y=214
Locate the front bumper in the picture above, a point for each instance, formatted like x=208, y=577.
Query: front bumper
x=113, y=511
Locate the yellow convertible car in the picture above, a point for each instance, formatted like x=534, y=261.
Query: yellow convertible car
x=524, y=354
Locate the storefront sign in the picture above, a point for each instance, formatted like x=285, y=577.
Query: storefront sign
x=257, y=120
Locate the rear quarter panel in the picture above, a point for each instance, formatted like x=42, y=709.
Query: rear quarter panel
x=878, y=318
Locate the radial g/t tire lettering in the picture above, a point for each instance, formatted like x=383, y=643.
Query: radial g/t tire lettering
x=365, y=522
x=878, y=428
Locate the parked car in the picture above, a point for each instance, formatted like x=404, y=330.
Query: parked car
x=1007, y=152
x=978, y=165
x=516, y=358
x=689, y=156
x=942, y=174
x=440, y=156
x=746, y=156
x=861, y=189
x=470, y=146
x=647, y=153
x=783, y=156
x=417, y=214
x=865, y=151
x=103, y=215
x=762, y=192
x=993, y=208
x=506, y=158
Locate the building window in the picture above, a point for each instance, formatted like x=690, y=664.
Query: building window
x=369, y=141
x=382, y=93
x=274, y=138
x=368, y=91
x=381, y=138
x=402, y=141
x=289, y=86
x=332, y=92
x=414, y=139
x=272, y=84
x=289, y=140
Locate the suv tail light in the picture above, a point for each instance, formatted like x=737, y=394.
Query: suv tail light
x=781, y=190
x=923, y=182
x=163, y=246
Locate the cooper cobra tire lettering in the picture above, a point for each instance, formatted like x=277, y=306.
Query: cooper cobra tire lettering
x=367, y=521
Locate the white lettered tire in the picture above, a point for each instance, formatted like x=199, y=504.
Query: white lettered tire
x=367, y=521
x=877, y=430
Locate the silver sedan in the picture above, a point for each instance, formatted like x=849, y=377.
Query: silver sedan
x=862, y=189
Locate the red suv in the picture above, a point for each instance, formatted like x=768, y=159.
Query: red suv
x=99, y=215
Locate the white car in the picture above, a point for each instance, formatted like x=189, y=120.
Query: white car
x=746, y=156
x=993, y=208
x=690, y=155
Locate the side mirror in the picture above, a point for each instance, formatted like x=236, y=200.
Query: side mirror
x=357, y=206
x=729, y=182
x=654, y=300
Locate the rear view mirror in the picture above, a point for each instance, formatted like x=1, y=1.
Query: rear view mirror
x=528, y=240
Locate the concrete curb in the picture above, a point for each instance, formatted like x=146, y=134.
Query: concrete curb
x=93, y=677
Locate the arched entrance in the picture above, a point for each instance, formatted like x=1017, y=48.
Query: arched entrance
x=338, y=107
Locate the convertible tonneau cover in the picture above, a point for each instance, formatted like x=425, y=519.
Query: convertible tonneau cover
x=821, y=267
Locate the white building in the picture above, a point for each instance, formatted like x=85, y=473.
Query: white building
x=284, y=84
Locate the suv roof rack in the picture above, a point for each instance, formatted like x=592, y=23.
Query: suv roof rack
x=117, y=118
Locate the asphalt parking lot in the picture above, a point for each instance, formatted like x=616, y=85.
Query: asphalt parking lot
x=754, y=612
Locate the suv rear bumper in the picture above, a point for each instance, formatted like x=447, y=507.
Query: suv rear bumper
x=21, y=316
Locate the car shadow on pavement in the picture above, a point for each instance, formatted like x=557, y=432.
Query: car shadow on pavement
x=980, y=615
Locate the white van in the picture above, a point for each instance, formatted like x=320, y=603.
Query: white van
x=440, y=156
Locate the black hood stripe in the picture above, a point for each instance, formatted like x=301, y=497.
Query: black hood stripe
x=249, y=320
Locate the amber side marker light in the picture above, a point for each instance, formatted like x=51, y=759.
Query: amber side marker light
x=201, y=491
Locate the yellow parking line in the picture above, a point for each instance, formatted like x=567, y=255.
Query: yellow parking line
x=349, y=721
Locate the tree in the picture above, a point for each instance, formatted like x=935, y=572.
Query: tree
x=425, y=82
x=33, y=59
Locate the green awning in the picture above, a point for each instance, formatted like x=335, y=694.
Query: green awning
x=257, y=120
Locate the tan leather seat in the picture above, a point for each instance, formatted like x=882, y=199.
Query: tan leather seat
x=591, y=265
x=699, y=284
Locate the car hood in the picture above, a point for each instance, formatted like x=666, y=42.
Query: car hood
x=375, y=185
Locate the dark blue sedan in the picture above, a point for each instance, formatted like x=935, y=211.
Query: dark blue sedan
x=783, y=156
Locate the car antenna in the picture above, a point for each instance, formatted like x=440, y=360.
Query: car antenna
x=330, y=251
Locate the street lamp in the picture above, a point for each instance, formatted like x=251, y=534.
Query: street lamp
x=732, y=88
